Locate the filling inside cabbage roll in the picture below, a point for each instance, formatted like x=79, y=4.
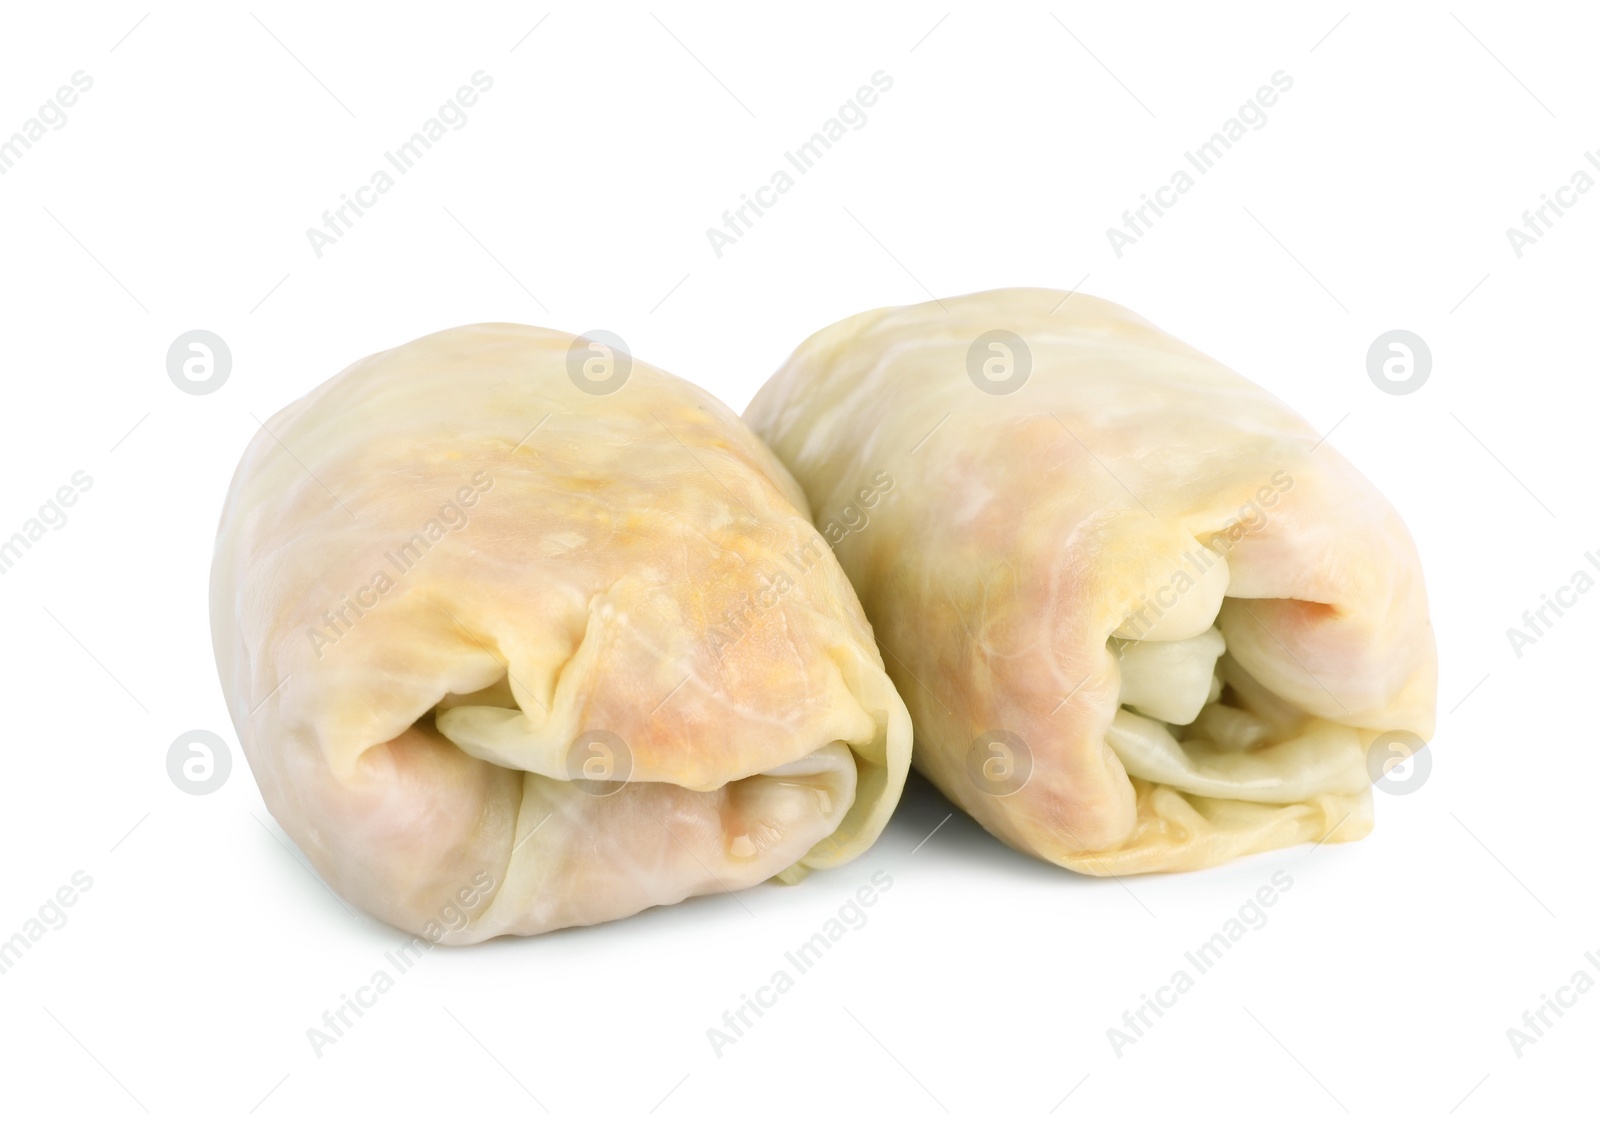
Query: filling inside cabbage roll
x=1191, y=716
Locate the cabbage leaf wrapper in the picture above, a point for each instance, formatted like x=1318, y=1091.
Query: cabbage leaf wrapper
x=1144, y=617
x=511, y=649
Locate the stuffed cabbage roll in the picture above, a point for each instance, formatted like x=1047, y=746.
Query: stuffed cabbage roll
x=520, y=633
x=1144, y=617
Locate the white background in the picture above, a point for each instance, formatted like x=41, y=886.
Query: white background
x=577, y=195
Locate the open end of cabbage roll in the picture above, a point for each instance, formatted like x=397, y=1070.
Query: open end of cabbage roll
x=1234, y=734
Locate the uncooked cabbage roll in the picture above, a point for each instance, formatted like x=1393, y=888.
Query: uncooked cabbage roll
x=519, y=633
x=1144, y=618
